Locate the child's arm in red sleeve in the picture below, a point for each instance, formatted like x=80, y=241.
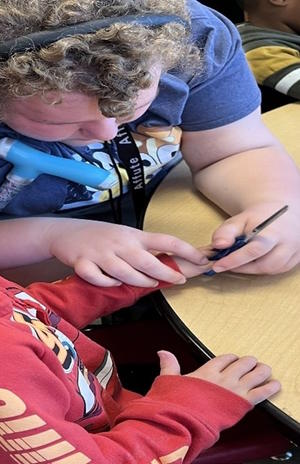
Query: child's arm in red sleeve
x=80, y=303
x=179, y=417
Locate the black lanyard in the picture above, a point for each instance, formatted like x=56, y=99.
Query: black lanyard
x=130, y=157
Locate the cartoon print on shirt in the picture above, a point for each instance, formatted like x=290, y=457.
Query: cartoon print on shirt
x=103, y=160
x=80, y=195
x=176, y=457
x=64, y=349
x=159, y=147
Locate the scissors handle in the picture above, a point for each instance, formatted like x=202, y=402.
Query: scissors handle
x=242, y=240
x=239, y=242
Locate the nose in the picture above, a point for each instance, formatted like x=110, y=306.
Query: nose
x=103, y=129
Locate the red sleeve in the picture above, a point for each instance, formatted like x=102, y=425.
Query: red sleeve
x=180, y=416
x=80, y=303
x=186, y=415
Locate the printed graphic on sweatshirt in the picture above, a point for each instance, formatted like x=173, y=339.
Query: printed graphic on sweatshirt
x=67, y=356
x=85, y=383
x=176, y=457
x=27, y=439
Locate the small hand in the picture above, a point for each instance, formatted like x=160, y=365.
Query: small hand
x=243, y=376
x=275, y=250
x=190, y=269
x=125, y=254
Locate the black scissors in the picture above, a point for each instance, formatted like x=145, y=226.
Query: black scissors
x=242, y=240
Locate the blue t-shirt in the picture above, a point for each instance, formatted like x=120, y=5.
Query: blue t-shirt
x=223, y=92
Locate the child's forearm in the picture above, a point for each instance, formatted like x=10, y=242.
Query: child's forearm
x=101, y=253
x=22, y=241
x=269, y=169
x=180, y=416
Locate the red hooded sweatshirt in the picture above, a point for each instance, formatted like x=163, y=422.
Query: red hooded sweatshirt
x=61, y=401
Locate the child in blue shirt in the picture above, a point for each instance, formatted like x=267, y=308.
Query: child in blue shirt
x=187, y=92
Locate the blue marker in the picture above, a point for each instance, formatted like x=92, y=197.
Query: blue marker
x=28, y=163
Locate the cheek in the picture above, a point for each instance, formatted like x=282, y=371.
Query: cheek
x=135, y=116
x=140, y=112
x=49, y=133
x=40, y=131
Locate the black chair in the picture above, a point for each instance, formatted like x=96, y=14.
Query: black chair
x=272, y=99
x=230, y=9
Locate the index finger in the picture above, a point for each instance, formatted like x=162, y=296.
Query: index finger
x=168, y=244
x=256, y=248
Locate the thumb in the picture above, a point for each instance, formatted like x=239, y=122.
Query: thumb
x=168, y=363
x=225, y=235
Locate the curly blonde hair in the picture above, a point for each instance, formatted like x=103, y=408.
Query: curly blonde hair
x=112, y=64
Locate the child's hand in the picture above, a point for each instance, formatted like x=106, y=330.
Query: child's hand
x=109, y=254
x=243, y=376
x=275, y=250
x=190, y=269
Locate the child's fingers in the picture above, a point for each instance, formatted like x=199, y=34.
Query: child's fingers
x=151, y=266
x=241, y=366
x=254, y=250
x=263, y=392
x=281, y=259
x=168, y=363
x=121, y=271
x=258, y=376
x=126, y=272
x=212, y=370
x=225, y=234
x=90, y=272
x=168, y=244
x=189, y=269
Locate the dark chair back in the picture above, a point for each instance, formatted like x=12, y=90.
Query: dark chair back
x=272, y=99
x=230, y=9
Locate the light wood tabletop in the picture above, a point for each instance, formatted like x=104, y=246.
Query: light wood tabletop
x=243, y=314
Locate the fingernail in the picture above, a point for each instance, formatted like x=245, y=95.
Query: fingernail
x=155, y=283
x=219, y=269
x=181, y=281
x=117, y=283
x=204, y=260
x=161, y=352
x=219, y=243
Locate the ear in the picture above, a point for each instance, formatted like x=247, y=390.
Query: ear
x=279, y=2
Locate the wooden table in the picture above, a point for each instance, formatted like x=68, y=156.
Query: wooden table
x=237, y=313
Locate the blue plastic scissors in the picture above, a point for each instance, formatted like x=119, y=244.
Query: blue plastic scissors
x=242, y=240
